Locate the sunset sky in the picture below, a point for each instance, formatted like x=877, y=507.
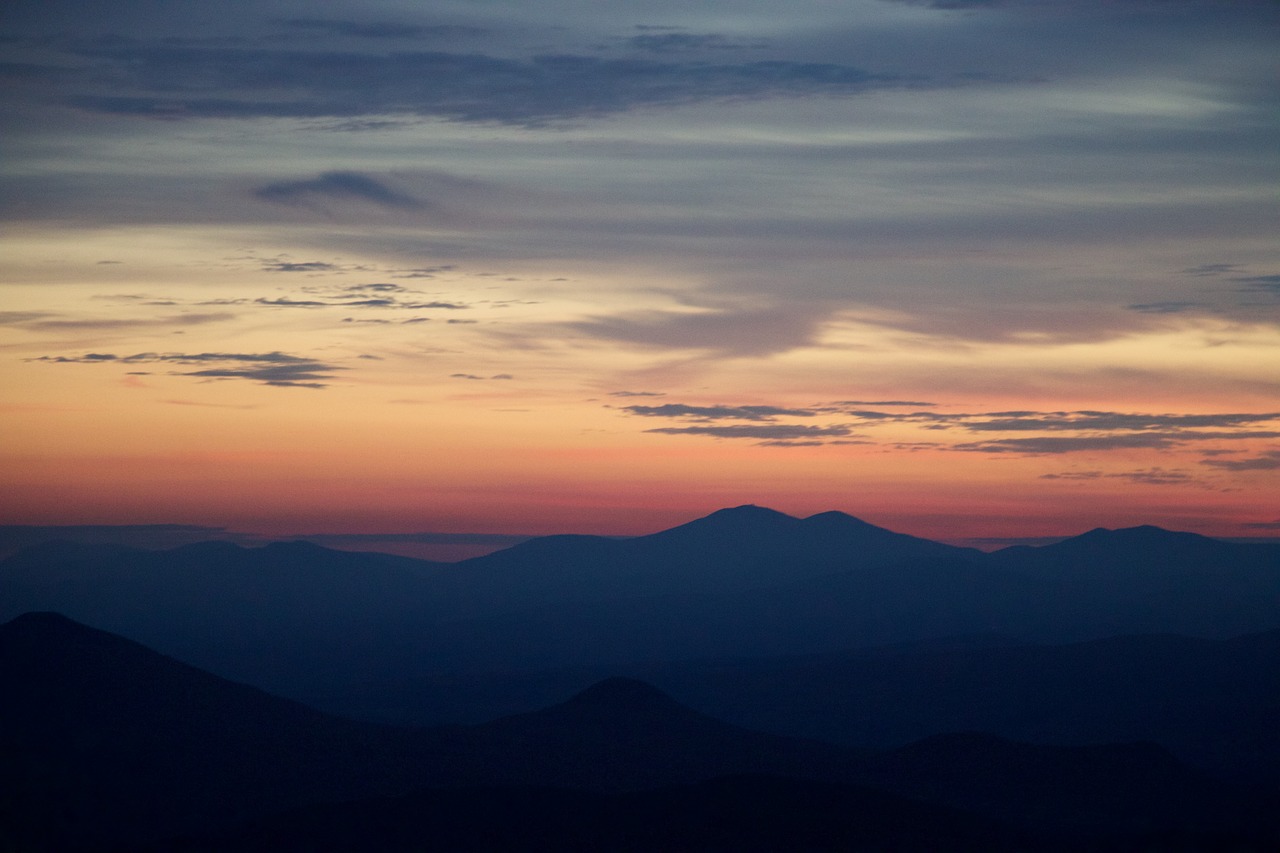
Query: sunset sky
x=963, y=268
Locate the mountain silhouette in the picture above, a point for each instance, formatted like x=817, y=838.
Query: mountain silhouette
x=109, y=744
x=747, y=581
x=104, y=739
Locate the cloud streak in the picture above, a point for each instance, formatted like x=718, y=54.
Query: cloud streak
x=270, y=368
x=187, y=81
x=337, y=186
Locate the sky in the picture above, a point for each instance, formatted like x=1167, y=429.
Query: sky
x=961, y=268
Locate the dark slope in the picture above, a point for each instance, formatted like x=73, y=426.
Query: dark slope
x=104, y=739
x=1213, y=703
x=743, y=813
x=108, y=742
x=282, y=616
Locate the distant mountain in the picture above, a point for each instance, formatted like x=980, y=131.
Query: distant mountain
x=1213, y=703
x=729, y=551
x=109, y=744
x=747, y=581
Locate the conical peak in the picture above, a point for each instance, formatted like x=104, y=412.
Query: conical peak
x=622, y=693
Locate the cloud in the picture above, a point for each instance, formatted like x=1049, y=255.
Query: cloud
x=342, y=186
x=786, y=432
x=271, y=368
x=1260, y=284
x=1155, y=476
x=188, y=81
x=378, y=30
x=303, y=266
x=725, y=332
x=1268, y=461
x=636, y=394
x=1123, y=441
x=1071, y=444
x=90, y=325
x=743, y=413
x=882, y=403
x=473, y=376
x=15, y=318
x=1108, y=421
x=1173, y=307
x=1212, y=269
x=681, y=42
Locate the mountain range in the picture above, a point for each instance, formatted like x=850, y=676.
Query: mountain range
x=1117, y=690
x=303, y=620
x=109, y=745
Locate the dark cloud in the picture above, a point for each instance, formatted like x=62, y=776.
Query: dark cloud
x=88, y=325
x=1123, y=441
x=1174, y=307
x=175, y=81
x=1081, y=421
x=1070, y=444
x=294, y=266
x=882, y=403
x=1262, y=525
x=13, y=318
x=1212, y=269
x=636, y=394
x=1156, y=476
x=768, y=432
x=681, y=42
x=342, y=186
x=378, y=30
x=1111, y=421
x=473, y=376
x=270, y=368
x=372, y=302
x=1259, y=284
x=741, y=413
x=1268, y=461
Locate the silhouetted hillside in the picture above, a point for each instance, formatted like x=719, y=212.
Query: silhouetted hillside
x=742, y=813
x=107, y=743
x=104, y=739
x=742, y=582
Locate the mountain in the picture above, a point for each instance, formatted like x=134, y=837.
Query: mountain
x=1213, y=703
x=742, y=582
x=729, y=551
x=108, y=744
x=742, y=813
x=106, y=740
x=281, y=616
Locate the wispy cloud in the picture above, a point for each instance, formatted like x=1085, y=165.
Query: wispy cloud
x=378, y=29
x=763, y=431
x=744, y=413
x=1155, y=476
x=187, y=80
x=270, y=368
x=724, y=332
x=337, y=186
x=1268, y=461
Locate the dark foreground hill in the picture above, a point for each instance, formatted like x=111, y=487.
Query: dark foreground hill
x=744, y=582
x=108, y=744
